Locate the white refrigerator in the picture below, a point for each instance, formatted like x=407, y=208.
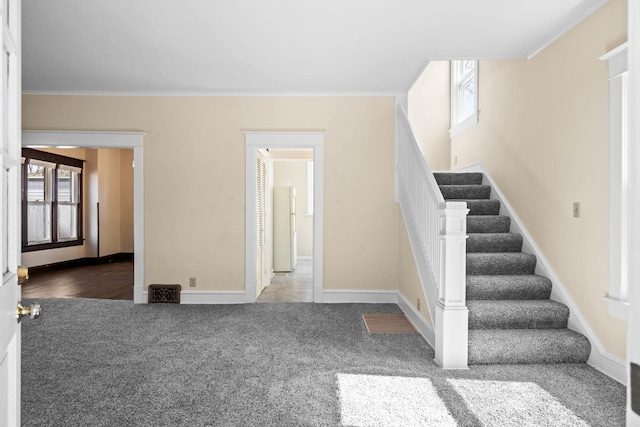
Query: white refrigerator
x=285, y=245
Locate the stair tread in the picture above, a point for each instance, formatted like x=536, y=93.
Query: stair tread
x=449, y=178
x=510, y=346
x=517, y=314
x=501, y=263
x=494, y=242
x=494, y=287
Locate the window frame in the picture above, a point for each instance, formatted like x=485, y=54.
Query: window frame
x=458, y=80
x=31, y=154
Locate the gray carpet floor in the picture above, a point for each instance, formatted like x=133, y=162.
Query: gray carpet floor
x=112, y=363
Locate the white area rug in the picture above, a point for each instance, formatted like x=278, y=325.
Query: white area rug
x=522, y=404
x=381, y=401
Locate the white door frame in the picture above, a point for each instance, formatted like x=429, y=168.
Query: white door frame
x=99, y=139
x=253, y=142
x=633, y=267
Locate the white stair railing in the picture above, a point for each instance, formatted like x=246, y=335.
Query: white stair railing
x=437, y=232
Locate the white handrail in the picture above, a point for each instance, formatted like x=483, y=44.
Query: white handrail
x=437, y=233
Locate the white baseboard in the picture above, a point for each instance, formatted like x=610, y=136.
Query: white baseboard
x=418, y=321
x=305, y=257
x=209, y=297
x=337, y=296
x=610, y=365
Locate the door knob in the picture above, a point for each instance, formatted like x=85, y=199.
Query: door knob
x=32, y=311
x=23, y=274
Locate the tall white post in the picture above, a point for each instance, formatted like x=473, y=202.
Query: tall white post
x=452, y=315
x=633, y=340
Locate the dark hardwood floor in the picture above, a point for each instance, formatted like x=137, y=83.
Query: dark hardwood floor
x=105, y=281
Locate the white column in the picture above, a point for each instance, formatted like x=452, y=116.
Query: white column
x=452, y=316
x=633, y=340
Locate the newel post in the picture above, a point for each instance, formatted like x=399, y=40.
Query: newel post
x=452, y=316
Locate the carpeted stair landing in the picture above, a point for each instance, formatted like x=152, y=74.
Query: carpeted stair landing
x=511, y=318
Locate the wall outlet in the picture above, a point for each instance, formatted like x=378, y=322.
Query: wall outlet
x=418, y=304
x=192, y=282
x=576, y=209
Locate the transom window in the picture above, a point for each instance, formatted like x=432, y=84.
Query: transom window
x=51, y=200
x=464, y=95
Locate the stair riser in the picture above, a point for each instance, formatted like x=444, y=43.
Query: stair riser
x=525, y=318
x=560, y=347
x=483, y=207
x=500, y=264
x=488, y=224
x=527, y=287
x=504, y=242
x=465, y=191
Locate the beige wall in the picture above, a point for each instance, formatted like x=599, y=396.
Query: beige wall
x=109, y=199
x=430, y=114
x=294, y=173
x=194, y=178
x=543, y=135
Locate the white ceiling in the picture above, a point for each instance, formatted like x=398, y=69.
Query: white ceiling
x=273, y=46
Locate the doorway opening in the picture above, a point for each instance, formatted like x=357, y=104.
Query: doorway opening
x=121, y=150
x=284, y=221
x=77, y=223
x=284, y=207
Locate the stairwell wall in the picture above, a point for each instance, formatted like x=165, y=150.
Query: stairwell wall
x=543, y=135
x=430, y=115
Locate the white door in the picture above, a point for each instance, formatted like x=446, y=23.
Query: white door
x=262, y=206
x=10, y=214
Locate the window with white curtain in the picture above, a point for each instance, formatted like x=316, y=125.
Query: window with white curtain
x=51, y=200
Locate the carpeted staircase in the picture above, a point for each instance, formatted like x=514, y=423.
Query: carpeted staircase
x=511, y=318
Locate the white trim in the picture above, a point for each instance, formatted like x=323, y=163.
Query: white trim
x=309, y=185
x=305, y=257
x=352, y=296
x=255, y=140
x=479, y=58
x=633, y=267
x=464, y=125
x=599, y=358
x=209, y=94
x=597, y=4
x=208, y=297
x=418, y=321
x=622, y=49
x=617, y=308
x=110, y=139
x=619, y=166
x=82, y=139
x=610, y=365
